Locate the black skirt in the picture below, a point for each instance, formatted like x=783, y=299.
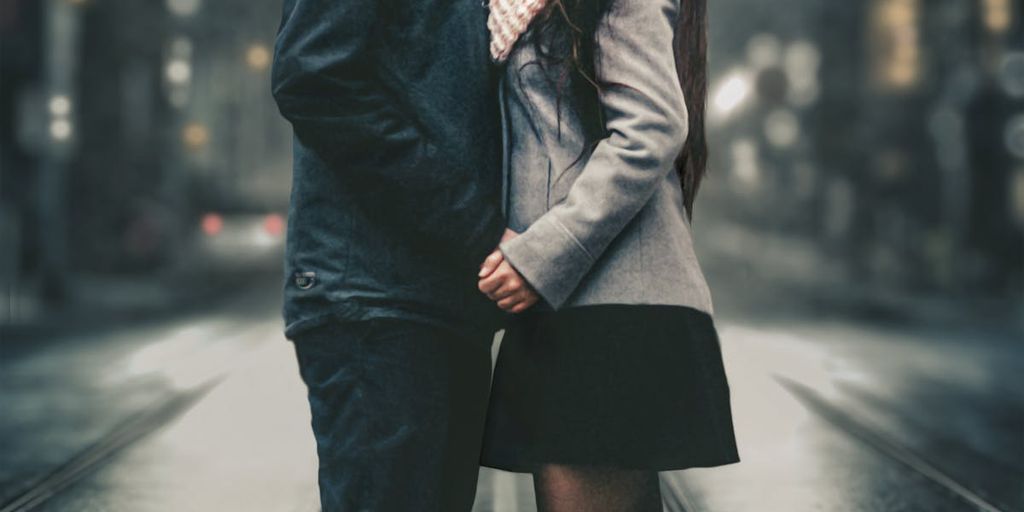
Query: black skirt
x=625, y=386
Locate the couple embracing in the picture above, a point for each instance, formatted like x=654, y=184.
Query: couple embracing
x=528, y=165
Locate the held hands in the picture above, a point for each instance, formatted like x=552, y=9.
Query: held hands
x=502, y=284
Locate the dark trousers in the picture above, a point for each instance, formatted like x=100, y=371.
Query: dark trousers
x=398, y=414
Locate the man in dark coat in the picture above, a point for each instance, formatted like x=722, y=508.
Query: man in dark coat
x=395, y=202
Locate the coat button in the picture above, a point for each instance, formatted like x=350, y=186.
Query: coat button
x=305, y=280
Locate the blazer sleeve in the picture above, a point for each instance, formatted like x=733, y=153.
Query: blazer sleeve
x=645, y=129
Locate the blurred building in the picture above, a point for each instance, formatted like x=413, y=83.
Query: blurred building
x=20, y=58
x=884, y=133
x=124, y=125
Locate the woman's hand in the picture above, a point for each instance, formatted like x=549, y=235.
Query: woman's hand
x=503, y=284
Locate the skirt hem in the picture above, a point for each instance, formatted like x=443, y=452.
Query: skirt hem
x=529, y=468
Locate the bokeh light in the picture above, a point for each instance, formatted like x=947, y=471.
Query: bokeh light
x=183, y=8
x=196, y=136
x=257, y=57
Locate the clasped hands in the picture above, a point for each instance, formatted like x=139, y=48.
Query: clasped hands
x=500, y=282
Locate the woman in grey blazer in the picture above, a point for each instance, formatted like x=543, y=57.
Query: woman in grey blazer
x=610, y=369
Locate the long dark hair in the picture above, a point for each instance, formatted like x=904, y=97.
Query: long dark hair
x=564, y=34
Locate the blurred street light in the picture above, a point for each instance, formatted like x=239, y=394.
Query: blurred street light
x=896, y=49
x=183, y=8
x=998, y=15
x=195, y=136
x=178, y=71
x=60, y=129
x=212, y=224
x=274, y=224
x=746, y=171
x=731, y=93
x=60, y=105
x=782, y=128
x=802, y=62
x=60, y=122
x=257, y=57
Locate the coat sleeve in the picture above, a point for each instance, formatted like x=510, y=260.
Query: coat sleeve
x=325, y=81
x=645, y=129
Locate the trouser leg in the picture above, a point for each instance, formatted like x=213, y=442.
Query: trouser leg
x=398, y=412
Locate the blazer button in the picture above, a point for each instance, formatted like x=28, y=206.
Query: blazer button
x=305, y=280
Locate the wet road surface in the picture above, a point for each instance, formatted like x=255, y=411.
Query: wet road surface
x=205, y=411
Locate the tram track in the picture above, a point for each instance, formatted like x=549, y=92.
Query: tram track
x=200, y=364
x=92, y=458
x=884, y=444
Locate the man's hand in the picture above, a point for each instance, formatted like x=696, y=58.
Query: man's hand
x=503, y=284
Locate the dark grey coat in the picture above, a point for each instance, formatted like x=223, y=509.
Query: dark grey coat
x=397, y=161
x=609, y=228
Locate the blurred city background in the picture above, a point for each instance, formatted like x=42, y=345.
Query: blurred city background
x=862, y=228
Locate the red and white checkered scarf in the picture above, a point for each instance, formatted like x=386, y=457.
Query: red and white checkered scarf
x=507, y=21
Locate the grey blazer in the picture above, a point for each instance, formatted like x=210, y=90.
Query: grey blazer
x=609, y=228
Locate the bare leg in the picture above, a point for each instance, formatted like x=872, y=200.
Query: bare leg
x=562, y=488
